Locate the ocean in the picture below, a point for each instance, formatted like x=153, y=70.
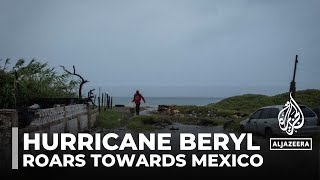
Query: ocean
x=155, y=101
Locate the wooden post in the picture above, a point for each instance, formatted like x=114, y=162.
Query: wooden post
x=99, y=104
x=293, y=82
x=108, y=101
x=99, y=96
x=105, y=100
x=111, y=103
x=102, y=101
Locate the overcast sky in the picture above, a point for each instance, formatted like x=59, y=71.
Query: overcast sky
x=170, y=47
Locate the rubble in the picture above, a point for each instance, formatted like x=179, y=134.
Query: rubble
x=168, y=109
x=173, y=128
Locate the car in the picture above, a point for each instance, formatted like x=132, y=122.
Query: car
x=264, y=121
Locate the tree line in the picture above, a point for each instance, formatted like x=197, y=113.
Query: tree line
x=22, y=81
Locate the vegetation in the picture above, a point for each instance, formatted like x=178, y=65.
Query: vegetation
x=244, y=105
x=143, y=123
x=234, y=109
x=23, y=81
x=228, y=112
x=205, y=111
x=159, y=121
x=250, y=102
x=233, y=125
x=115, y=119
x=201, y=121
x=110, y=119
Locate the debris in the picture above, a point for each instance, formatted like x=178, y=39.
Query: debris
x=34, y=106
x=171, y=110
x=173, y=128
x=119, y=105
x=162, y=108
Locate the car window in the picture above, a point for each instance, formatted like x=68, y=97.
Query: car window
x=307, y=112
x=256, y=115
x=269, y=113
x=274, y=113
x=265, y=113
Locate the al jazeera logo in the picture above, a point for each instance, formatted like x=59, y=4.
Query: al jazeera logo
x=291, y=119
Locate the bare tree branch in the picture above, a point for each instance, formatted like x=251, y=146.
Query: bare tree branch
x=83, y=81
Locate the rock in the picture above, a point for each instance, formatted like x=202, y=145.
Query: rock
x=34, y=106
x=180, y=115
x=119, y=105
x=173, y=128
x=235, y=116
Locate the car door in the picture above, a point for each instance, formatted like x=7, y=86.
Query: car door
x=263, y=121
x=251, y=125
x=268, y=118
x=310, y=118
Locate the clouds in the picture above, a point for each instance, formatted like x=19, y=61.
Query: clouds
x=169, y=43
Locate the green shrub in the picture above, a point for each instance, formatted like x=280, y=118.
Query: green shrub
x=248, y=103
x=232, y=125
x=23, y=81
x=109, y=119
x=142, y=123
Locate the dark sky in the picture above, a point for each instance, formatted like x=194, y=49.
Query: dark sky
x=170, y=47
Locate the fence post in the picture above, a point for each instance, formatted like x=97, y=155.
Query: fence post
x=108, y=101
x=111, y=103
x=105, y=100
x=102, y=102
x=99, y=104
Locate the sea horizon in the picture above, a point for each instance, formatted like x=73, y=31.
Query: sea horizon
x=155, y=101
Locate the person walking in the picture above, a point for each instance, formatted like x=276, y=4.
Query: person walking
x=137, y=99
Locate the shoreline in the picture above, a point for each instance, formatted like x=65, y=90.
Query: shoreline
x=179, y=101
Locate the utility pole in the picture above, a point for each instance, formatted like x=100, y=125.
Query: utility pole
x=293, y=82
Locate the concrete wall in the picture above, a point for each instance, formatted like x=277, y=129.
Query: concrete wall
x=44, y=116
x=73, y=119
x=8, y=119
x=83, y=123
x=72, y=126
